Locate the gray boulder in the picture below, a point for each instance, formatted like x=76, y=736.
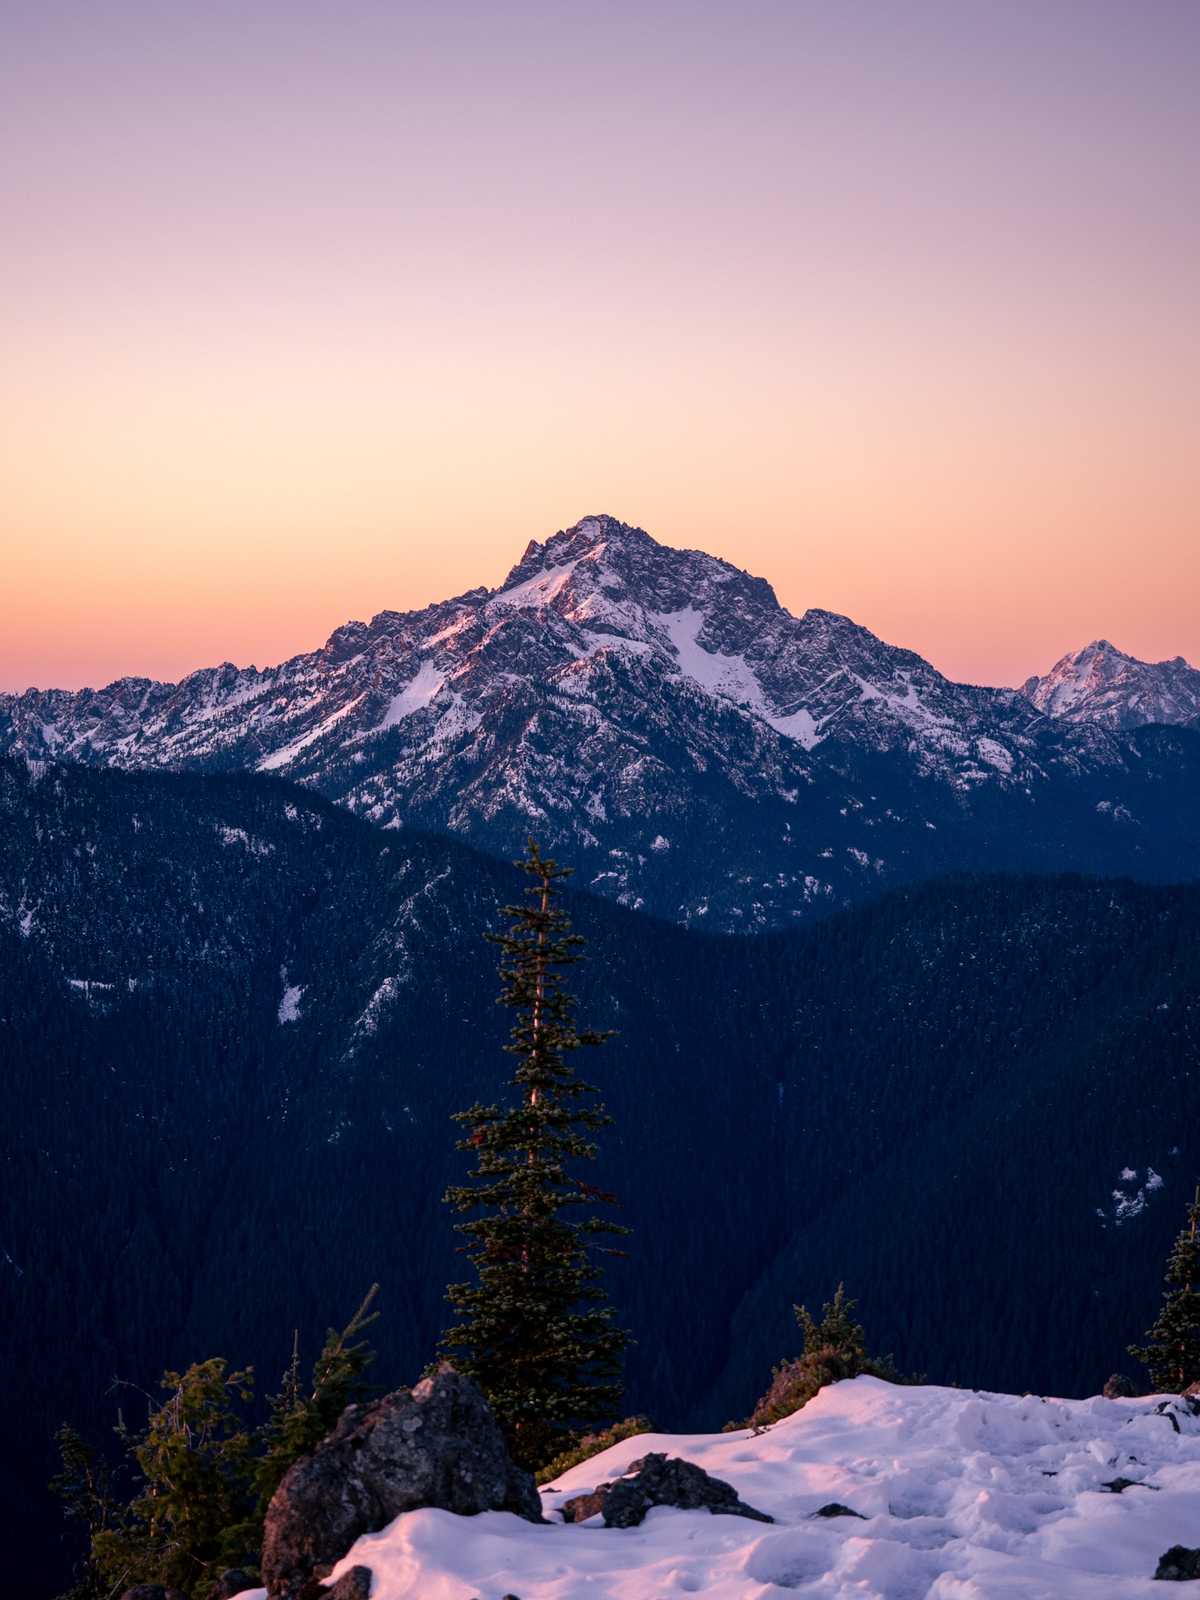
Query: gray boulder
x=435, y=1445
x=659, y=1480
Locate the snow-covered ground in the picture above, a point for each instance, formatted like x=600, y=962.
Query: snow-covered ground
x=965, y=1495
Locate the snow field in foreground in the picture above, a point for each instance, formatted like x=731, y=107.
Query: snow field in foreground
x=966, y=1495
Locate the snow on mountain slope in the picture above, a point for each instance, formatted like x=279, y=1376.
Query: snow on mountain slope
x=1102, y=684
x=652, y=713
x=597, y=600
x=961, y=1495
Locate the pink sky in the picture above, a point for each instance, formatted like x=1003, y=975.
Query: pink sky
x=316, y=310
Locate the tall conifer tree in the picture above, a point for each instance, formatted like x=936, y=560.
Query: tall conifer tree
x=535, y=1330
x=1172, y=1348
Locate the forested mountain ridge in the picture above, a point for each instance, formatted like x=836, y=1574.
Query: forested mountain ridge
x=235, y=1019
x=656, y=714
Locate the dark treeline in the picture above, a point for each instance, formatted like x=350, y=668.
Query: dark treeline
x=930, y=1097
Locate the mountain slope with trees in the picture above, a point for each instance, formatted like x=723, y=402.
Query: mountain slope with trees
x=235, y=1022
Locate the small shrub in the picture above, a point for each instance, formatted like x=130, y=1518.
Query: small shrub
x=834, y=1348
x=592, y=1444
x=188, y=1501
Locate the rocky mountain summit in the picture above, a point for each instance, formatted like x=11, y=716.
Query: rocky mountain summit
x=1101, y=684
x=656, y=716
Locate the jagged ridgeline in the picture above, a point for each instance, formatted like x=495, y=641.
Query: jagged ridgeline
x=692, y=747
x=235, y=1020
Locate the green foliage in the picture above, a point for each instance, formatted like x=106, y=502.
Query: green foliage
x=88, y=1495
x=833, y=1348
x=592, y=1444
x=1172, y=1348
x=534, y=1330
x=300, y=1419
x=199, y=1475
x=192, y=1513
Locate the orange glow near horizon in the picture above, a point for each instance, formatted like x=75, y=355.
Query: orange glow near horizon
x=322, y=317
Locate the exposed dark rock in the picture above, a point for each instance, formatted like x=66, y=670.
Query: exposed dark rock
x=1119, y=1387
x=583, y=1506
x=1118, y=1485
x=836, y=1509
x=352, y=1585
x=1178, y=1565
x=1165, y=1408
x=659, y=1480
x=435, y=1445
x=234, y=1580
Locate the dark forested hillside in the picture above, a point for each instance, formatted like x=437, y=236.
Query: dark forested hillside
x=234, y=1021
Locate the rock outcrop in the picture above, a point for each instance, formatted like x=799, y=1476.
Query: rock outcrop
x=659, y=1480
x=435, y=1445
x=1179, y=1565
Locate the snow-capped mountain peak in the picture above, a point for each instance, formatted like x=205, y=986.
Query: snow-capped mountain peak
x=619, y=697
x=1101, y=684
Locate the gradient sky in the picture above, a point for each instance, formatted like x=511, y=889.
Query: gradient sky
x=317, y=309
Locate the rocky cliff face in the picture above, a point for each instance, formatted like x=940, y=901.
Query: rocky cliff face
x=1102, y=685
x=652, y=714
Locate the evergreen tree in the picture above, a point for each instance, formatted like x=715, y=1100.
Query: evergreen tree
x=193, y=1513
x=191, y=1498
x=834, y=1348
x=89, y=1497
x=300, y=1418
x=535, y=1330
x=1172, y=1350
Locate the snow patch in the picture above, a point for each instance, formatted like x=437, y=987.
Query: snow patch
x=908, y=705
x=994, y=754
x=289, y=1005
x=1130, y=1198
x=962, y=1496
x=800, y=725
x=537, y=591
x=287, y=753
x=256, y=847
x=415, y=696
x=730, y=677
x=368, y=1021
